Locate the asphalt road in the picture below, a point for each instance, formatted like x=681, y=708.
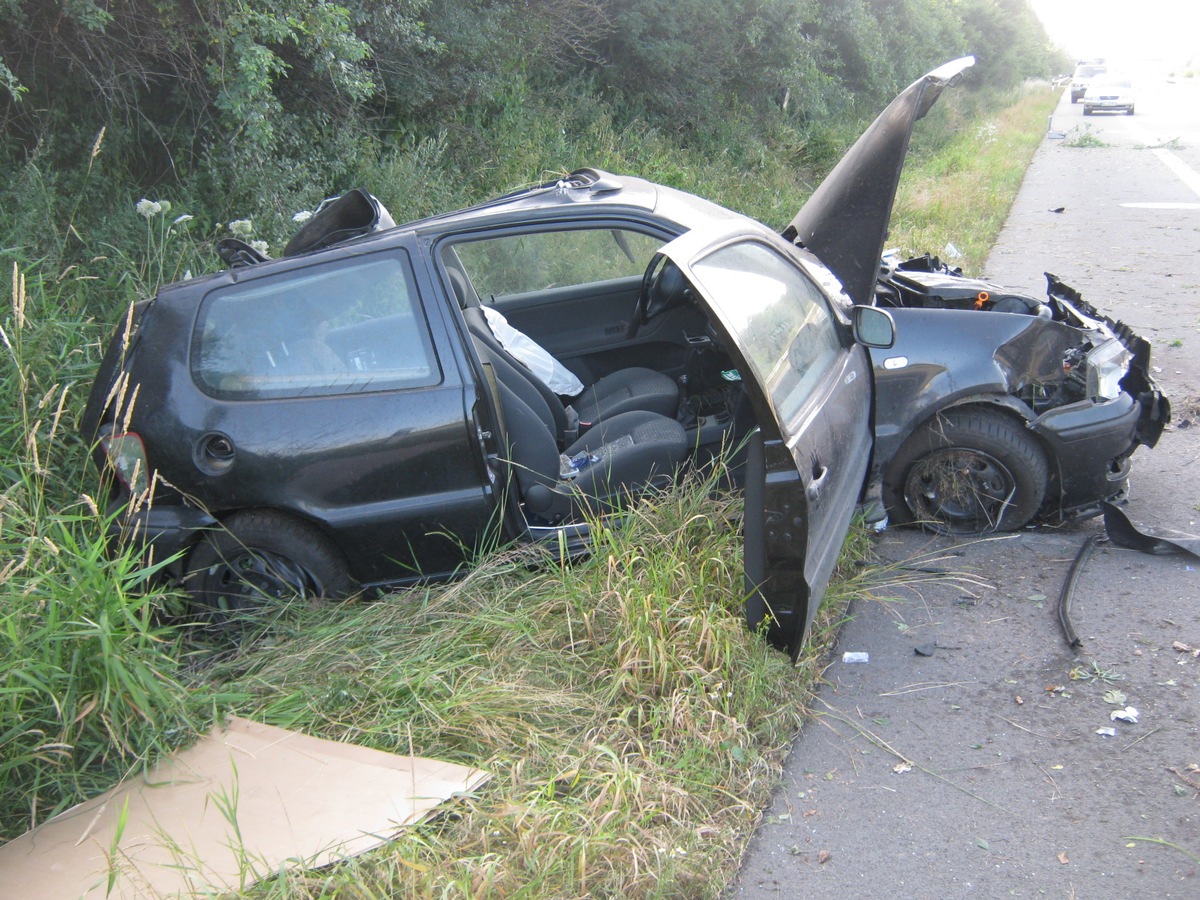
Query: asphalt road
x=978, y=771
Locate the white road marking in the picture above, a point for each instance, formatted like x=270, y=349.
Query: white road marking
x=1161, y=205
x=1182, y=170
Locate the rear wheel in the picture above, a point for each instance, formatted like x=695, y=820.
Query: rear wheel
x=968, y=471
x=259, y=560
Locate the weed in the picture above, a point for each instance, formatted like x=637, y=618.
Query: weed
x=1083, y=136
x=1094, y=673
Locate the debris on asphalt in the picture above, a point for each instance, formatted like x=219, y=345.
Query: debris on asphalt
x=1128, y=714
x=925, y=649
x=853, y=657
x=1068, y=589
x=1122, y=533
x=1106, y=731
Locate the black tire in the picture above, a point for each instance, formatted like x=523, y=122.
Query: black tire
x=968, y=471
x=261, y=559
x=1087, y=111
x=1129, y=112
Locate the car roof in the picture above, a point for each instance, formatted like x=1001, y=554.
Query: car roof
x=594, y=189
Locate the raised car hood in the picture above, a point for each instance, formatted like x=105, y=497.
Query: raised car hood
x=845, y=221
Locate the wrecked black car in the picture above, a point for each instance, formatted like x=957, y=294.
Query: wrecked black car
x=995, y=409
x=374, y=406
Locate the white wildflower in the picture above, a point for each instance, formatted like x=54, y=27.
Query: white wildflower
x=261, y=246
x=241, y=227
x=303, y=216
x=184, y=218
x=164, y=206
x=148, y=209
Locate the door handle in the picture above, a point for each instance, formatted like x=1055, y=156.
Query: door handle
x=813, y=490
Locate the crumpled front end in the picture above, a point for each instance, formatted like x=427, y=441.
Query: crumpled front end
x=1079, y=379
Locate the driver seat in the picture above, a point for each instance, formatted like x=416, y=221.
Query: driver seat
x=634, y=389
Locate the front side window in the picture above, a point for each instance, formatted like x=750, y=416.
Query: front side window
x=339, y=328
x=539, y=261
x=778, y=317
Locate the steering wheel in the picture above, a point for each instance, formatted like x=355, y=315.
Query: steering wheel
x=663, y=287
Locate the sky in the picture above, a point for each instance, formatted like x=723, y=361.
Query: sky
x=1126, y=31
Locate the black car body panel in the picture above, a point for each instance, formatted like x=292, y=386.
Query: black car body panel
x=862, y=187
x=1031, y=360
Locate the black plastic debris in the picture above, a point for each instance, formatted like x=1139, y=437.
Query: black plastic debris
x=1068, y=589
x=1122, y=533
x=925, y=649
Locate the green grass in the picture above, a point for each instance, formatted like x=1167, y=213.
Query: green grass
x=634, y=728
x=962, y=193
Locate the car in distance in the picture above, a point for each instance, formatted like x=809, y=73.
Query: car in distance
x=1084, y=74
x=1109, y=95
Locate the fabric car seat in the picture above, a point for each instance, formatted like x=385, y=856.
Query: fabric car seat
x=626, y=390
x=622, y=455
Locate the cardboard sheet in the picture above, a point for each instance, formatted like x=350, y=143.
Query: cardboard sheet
x=240, y=804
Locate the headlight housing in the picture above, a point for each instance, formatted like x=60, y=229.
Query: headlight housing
x=1106, y=366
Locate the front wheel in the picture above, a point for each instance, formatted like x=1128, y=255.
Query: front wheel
x=968, y=471
x=259, y=559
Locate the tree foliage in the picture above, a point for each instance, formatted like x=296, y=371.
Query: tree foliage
x=268, y=100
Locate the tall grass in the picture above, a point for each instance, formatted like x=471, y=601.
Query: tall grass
x=634, y=726
x=88, y=677
x=961, y=193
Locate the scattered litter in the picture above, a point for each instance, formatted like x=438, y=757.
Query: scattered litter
x=853, y=657
x=1106, y=731
x=901, y=767
x=952, y=252
x=1057, y=209
x=1128, y=714
x=823, y=856
x=1019, y=700
x=1062, y=858
x=924, y=649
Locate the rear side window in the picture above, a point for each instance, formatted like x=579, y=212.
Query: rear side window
x=349, y=327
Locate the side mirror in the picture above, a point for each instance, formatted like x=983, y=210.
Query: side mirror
x=874, y=327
